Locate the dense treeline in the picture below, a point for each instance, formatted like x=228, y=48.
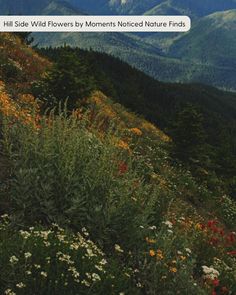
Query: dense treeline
x=161, y=103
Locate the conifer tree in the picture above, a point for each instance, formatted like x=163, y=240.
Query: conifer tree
x=189, y=135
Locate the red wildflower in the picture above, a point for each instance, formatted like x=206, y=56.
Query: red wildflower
x=213, y=241
x=123, y=167
x=222, y=232
x=232, y=237
x=203, y=226
x=216, y=282
x=211, y=223
x=232, y=252
x=215, y=229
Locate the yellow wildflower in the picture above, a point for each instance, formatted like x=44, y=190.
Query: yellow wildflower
x=173, y=269
x=198, y=226
x=123, y=145
x=152, y=253
x=150, y=241
x=136, y=131
x=160, y=254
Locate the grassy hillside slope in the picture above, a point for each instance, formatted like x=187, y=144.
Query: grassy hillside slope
x=94, y=203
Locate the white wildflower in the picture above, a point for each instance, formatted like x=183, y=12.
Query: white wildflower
x=25, y=234
x=210, y=272
x=13, y=259
x=118, y=248
x=168, y=223
x=28, y=255
x=44, y=274
x=188, y=250
x=20, y=285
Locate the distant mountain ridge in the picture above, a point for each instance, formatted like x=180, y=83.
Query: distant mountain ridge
x=29, y=7
x=206, y=54
x=190, y=7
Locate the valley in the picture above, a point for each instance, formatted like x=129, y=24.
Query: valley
x=188, y=57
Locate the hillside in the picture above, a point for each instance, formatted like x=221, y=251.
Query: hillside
x=92, y=197
x=192, y=8
x=189, y=7
x=209, y=41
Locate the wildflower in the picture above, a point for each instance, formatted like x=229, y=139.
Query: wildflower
x=25, y=235
x=123, y=145
x=173, y=269
x=44, y=274
x=198, y=226
x=20, y=285
x=37, y=266
x=183, y=257
x=211, y=223
x=152, y=253
x=232, y=253
x=118, y=248
x=139, y=285
x=168, y=223
x=188, y=250
x=99, y=267
x=123, y=168
x=216, y=282
x=4, y=216
x=84, y=230
x=136, y=131
x=103, y=261
x=13, y=259
x=28, y=272
x=86, y=283
x=153, y=227
x=150, y=241
x=210, y=272
x=96, y=277
x=90, y=252
x=28, y=255
x=159, y=254
x=9, y=292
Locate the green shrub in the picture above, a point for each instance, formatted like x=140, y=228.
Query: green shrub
x=68, y=172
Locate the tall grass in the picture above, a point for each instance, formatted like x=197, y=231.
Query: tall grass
x=67, y=171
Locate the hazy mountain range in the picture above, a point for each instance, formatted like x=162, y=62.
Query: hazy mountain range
x=205, y=54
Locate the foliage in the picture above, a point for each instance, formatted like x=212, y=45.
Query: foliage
x=67, y=81
x=188, y=135
x=152, y=226
x=54, y=261
x=25, y=37
x=153, y=99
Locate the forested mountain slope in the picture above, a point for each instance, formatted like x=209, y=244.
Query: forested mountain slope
x=167, y=57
